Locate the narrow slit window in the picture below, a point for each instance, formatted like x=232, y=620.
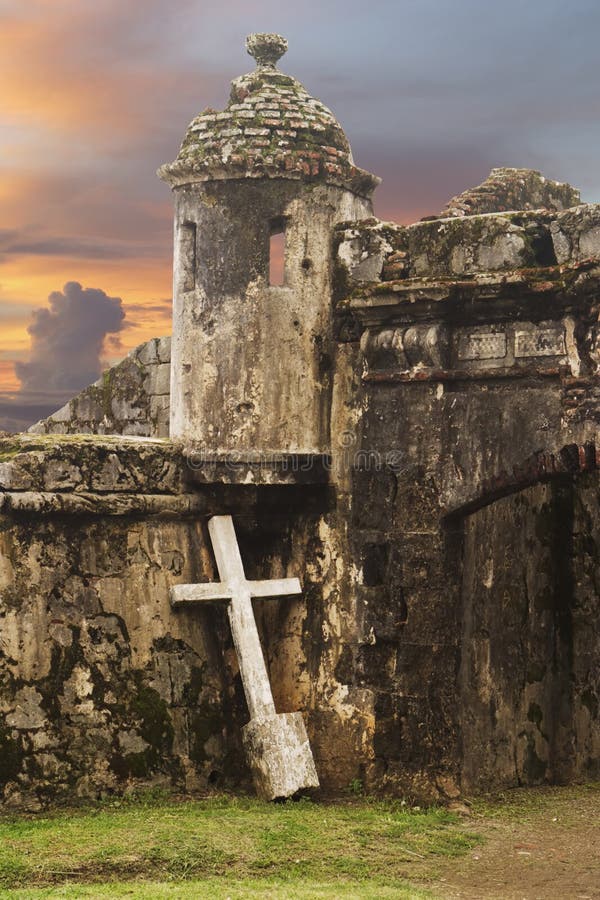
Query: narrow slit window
x=277, y=253
x=188, y=256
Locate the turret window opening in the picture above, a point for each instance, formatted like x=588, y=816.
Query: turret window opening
x=188, y=256
x=277, y=252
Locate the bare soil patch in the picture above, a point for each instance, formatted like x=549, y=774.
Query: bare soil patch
x=538, y=844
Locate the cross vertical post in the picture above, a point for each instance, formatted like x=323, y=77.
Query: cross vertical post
x=245, y=635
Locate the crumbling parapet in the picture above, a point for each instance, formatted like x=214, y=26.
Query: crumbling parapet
x=508, y=189
x=372, y=252
x=490, y=236
x=131, y=398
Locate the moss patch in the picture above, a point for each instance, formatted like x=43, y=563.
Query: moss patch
x=156, y=727
x=206, y=722
x=10, y=756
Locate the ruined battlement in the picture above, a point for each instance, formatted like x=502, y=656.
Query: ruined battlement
x=508, y=189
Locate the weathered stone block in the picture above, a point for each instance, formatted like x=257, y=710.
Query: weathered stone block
x=60, y=475
x=114, y=474
x=88, y=406
x=426, y=735
x=576, y=233
x=159, y=415
x=418, y=665
x=158, y=380
x=463, y=246
x=14, y=477
x=163, y=349
x=126, y=410
x=147, y=354
x=364, y=247
x=279, y=755
x=375, y=560
x=416, y=503
x=381, y=609
x=374, y=491
x=375, y=664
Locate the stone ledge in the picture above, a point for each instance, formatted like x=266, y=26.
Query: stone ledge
x=560, y=287
x=101, y=465
x=52, y=503
x=108, y=467
x=444, y=375
x=371, y=254
x=259, y=469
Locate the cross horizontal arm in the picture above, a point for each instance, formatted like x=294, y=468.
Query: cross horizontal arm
x=199, y=593
x=275, y=588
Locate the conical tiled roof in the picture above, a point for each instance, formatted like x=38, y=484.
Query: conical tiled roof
x=271, y=128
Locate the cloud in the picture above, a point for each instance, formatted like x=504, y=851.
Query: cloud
x=19, y=243
x=16, y=416
x=68, y=338
x=418, y=179
x=161, y=307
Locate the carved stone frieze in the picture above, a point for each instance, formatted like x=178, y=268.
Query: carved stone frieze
x=432, y=349
x=403, y=349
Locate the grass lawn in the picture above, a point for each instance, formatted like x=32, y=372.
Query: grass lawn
x=227, y=847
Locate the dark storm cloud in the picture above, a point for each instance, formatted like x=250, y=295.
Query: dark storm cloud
x=67, y=339
x=16, y=415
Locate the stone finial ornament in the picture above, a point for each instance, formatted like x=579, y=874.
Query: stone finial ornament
x=267, y=49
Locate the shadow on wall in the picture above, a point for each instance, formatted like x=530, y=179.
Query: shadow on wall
x=529, y=682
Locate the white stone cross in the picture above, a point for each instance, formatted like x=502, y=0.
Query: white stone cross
x=277, y=745
x=234, y=588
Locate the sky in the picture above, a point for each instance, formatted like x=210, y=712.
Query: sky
x=96, y=94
